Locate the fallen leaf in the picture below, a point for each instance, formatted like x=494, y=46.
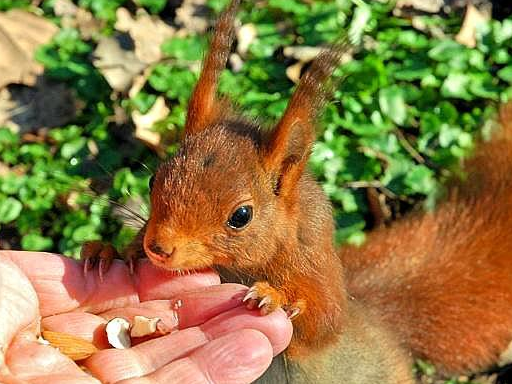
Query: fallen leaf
x=64, y=8
x=118, y=65
x=302, y=53
x=472, y=20
x=429, y=6
x=46, y=104
x=75, y=17
x=4, y=169
x=236, y=62
x=144, y=123
x=139, y=81
x=147, y=32
x=294, y=70
x=21, y=33
x=245, y=35
x=193, y=16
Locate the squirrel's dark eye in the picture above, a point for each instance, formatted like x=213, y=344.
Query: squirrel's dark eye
x=151, y=182
x=241, y=217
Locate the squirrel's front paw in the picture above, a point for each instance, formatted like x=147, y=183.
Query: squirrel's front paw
x=93, y=252
x=265, y=297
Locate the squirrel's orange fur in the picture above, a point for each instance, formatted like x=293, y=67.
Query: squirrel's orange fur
x=436, y=284
x=442, y=280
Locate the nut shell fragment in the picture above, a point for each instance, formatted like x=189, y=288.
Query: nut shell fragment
x=72, y=346
x=144, y=326
x=118, y=333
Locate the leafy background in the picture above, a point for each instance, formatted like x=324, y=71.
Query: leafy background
x=412, y=103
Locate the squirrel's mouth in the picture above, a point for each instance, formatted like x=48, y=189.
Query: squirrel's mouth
x=180, y=271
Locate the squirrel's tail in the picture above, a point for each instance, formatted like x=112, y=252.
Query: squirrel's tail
x=443, y=280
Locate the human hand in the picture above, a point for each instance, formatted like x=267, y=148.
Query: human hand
x=218, y=341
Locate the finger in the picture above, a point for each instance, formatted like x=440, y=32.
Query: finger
x=18, y=301
x=239, y=357
x=195, y=308
x=84, y=325
x=114, y=364
x=35, y=362
x=10, y=379
x=154, y=283
x=61, y=286
x=276, y=326
x=187, y=309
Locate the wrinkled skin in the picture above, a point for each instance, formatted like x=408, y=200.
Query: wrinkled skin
x=218, y=340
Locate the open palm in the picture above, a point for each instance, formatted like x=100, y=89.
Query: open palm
x=217, y=339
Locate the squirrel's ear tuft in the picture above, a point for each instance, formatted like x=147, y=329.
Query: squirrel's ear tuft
x=290, y=142
x=204, y=107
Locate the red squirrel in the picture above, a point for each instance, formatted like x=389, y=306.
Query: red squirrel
x=239, y=198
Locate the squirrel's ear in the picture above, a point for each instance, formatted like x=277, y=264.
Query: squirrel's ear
x=204, y=106
x=289, y=144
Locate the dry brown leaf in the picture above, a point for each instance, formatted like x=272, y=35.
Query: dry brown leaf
x=4, y=169
x=429, y=6
x=75, y=17
x=472, y=20
x=46, y=104
x=236, y=63
x=294, y=70
x=245, y=35
x=148, y=33
x=193, y=16
x=139, y=81
x=144, y=123
x=302, y=53
x=72, y=346
x=64, y=8
x=117, y=65
x=21, y=33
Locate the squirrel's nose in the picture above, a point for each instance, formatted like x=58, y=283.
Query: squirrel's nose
x=156, y=252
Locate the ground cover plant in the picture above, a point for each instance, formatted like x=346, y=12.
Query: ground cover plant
x=410, y=106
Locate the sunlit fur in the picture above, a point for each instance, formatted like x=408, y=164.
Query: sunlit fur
x=443, y=280
x=440, y=281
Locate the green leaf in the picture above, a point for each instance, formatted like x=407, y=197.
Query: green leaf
x=143, y=101
x=7, y=137
x=482, y=85
x=456, y=85
x=154, y=6
x=85, y=233
x=10, y=209
x=11, y=183
x=362, y=16
x=446, y=50
x=412, y=69
x=71, y=148
x=392, y=104
x=420, y=180
x=35, y=242
x=185, y=48
x=290, y=6
x=506, y=74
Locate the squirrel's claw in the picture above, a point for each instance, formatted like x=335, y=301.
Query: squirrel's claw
x=251, y=294
x=96, y=251
x=265, y=297
x=295, y=309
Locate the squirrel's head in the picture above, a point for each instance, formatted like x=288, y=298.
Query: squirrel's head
x=229, y=197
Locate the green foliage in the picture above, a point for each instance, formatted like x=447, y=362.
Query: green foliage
x=404, y=116
x=5, y=5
